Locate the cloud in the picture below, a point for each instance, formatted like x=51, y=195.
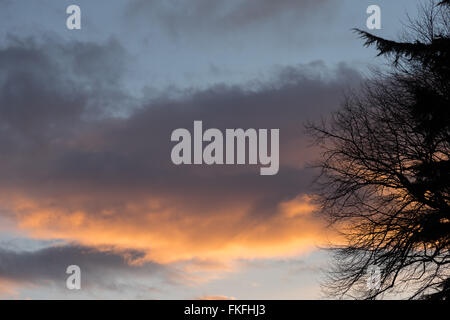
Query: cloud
x=101, y=268
x=181, y=18
x=72, y=167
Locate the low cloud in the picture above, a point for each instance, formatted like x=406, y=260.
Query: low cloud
x=100, y=268
x=78, y=163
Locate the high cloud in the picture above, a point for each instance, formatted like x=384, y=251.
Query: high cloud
x=180, y=17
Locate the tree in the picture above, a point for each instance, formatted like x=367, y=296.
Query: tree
x=384, y=180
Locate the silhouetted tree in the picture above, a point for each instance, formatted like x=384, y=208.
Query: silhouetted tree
x=385, y=171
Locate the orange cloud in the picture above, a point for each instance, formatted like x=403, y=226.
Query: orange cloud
x=9, y=289
x=170, y=232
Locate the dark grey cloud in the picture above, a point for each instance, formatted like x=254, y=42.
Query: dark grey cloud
x=100, y=267
x=57, y=139
x=72, y=168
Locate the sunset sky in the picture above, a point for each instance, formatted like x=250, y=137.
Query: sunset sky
x=85, y=122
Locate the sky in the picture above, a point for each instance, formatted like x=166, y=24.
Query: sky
x=86, y=117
